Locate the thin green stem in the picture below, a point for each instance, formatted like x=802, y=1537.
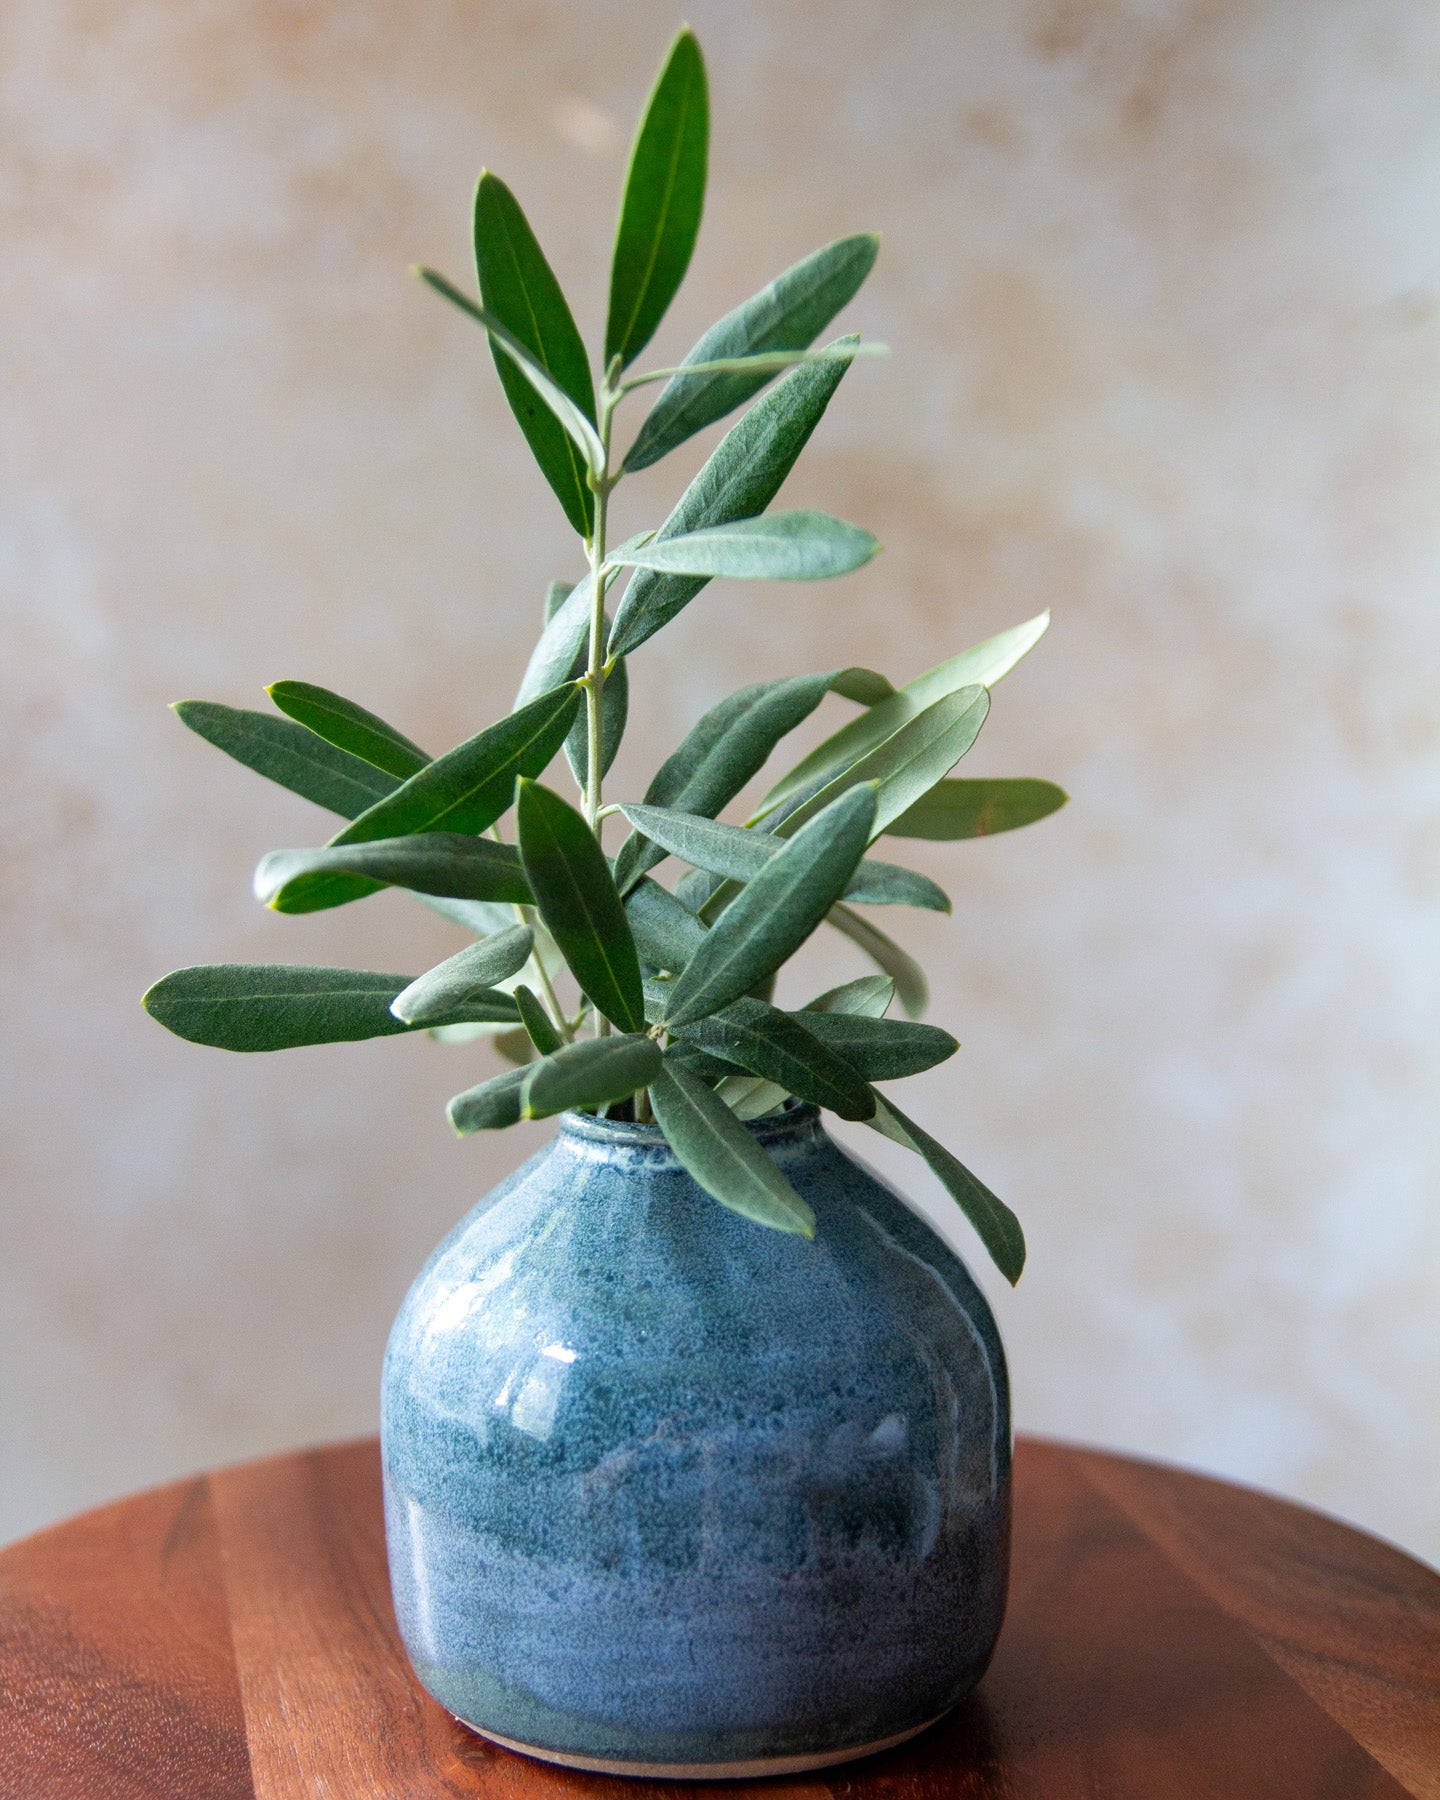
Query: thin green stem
x=595, y=662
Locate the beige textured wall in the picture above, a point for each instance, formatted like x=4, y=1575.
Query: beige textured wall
x=1161, y=279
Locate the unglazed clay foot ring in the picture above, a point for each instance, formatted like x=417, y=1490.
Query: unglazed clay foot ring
x=732, y=1771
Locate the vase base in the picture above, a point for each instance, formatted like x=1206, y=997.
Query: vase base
x=716, y=1771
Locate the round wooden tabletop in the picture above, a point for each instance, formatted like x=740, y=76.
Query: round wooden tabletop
x=230, y=1638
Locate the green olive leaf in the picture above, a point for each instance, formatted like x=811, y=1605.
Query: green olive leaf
x=722, y=1155
x=776, y=911
x=348, y=726
x=781, y=546
x=464, y=791
x=539, y=1027
x=911, y=988
x=995, y=1225
x=970, y=809
x=577, y=899
x=789, y=314
x=880, y=1049
x=730, y=744
x=460, y=978
x=981, y=666
x=588, y=1074
x=740, y=479
x=663, y=200
x=264, y=1006
x=289, y=754
x=447, y=863
x=782, y=1048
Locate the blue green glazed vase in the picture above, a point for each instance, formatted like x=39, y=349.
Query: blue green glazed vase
x=668, y=1493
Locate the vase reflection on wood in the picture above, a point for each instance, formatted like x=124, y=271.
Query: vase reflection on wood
x=669, y=1494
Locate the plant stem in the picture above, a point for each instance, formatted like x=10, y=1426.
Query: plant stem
x=595, y=662
x=595, y=669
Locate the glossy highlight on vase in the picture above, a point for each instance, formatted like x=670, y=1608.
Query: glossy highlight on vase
x=670, y=1490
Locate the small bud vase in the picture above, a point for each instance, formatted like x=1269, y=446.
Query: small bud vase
x=669, y=1493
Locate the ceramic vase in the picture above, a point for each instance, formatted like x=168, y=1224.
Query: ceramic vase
x=670, y=1493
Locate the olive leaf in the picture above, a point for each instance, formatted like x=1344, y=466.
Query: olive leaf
x=981, y=666
x=446, y=863
x=729, y=745
x=880, y=1049
x=519, y=290
x=539, y=1027
x=667, y=934
x=721, y=1154
x=664, y=196
x=869, y=996
x=782, y=1048
x=290, y=754
x=789, y=314
x=489, y=1106
x=970, y=809
x=512, y=355
x=906, y=764
x=782, y=546
x=348, y=726
x=741, y=478
x=578, y=901
x=739, y=855
x=776, y=911
x=464, y=791
x=995, y=1225
x=460, y=978
x=911, y=988
x=265, y=1006
x=592, y=1073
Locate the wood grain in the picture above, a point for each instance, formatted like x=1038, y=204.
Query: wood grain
x=115, y=1666
x=1343, y=1614
x=1168, y=1636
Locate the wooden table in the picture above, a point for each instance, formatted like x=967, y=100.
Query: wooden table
x=1168, y=1636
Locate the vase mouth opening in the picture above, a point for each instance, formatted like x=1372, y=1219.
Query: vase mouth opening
x=795, y=1119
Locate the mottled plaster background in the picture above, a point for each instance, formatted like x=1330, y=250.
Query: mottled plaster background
x=1161, y=280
